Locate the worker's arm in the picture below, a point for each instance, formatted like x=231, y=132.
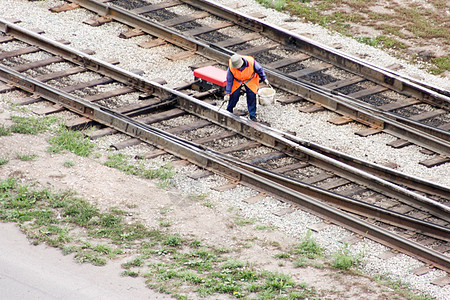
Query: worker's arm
x=260, y=71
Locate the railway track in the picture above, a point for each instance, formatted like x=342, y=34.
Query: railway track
x=379, y=98
x=412, y=217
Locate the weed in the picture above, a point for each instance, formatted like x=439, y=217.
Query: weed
x=196, y=244
x=198, y=197
x=308, y=247
x=279, y=4
x=232, y=264
x=208, y=204
x=29, y=125
x=90, y=257
x=344, y=260
x=3, y=161
x=4, y=131
x=26, y=157
x=441, y=64
x=165, y=223
x=137, y=262
x=129, y=273
x=173, y=241
x=243, y=222
x=301, y=262
x=282, y=255
x=401, y=288
x=74, y=141
x=80, y=212
x=69, y=164
x=381, y=42
x=278, y=282
x=122, y=162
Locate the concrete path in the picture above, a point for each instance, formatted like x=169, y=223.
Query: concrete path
x=41, y=272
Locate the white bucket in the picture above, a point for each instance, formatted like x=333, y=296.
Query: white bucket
x=266, y=96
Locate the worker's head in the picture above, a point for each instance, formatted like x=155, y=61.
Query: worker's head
x=236, y=61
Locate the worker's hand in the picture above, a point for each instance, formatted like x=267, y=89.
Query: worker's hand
x=226, y=97
x=266, y=81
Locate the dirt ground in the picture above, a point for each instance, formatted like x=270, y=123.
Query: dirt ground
x=419, y=25
x=373, y=23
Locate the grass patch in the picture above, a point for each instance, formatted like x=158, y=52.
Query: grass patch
x=137, y=262
x=123, y=163
x=440, y=65
x=165, y=223
x=265, y=227
x=31, y=125
x=73, y=141
x=381, y=42
x=243, y=221
x=69, y=164
x=4, y=131
x=3, y=161
x=26, y=157
x=53, y=218
x=198, y=197
x=282, y=255
x=344, y=259
x=308, y=247
x=275, y=4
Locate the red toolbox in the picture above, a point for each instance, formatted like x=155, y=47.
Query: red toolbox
x=212, y=75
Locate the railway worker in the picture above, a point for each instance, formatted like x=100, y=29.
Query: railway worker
x=242, y=71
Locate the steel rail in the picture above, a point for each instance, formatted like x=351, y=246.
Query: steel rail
x=380, y=75
x=392, y=175
x=80, y=58
x=199, y=156
x=345, y=203
x=433, y=139
x=261, y=133
x=272, y=138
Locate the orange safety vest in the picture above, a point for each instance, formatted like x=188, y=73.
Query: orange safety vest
x=245, y=76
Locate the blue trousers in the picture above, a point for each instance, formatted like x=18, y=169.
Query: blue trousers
x=251, y=101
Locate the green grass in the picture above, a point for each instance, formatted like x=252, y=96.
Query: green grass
x=440, y=64
x=4, y=131
x=198, y=197
x=344, y=259
x=165, y=223
x=276, y=4
x=265, y=227
x=381, y=42
x=69, y=164
x=50, y=217
x=3, y=161
x=125, y=164
x=73, y=141
x=31, y=125
x=282, y=255
x=26, y=157
x=308, y=247
x=243, y=221
x=137, y=262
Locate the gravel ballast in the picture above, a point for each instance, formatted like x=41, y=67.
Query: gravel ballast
x=313, y=127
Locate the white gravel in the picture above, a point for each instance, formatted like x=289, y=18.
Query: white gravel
x=314, y=127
